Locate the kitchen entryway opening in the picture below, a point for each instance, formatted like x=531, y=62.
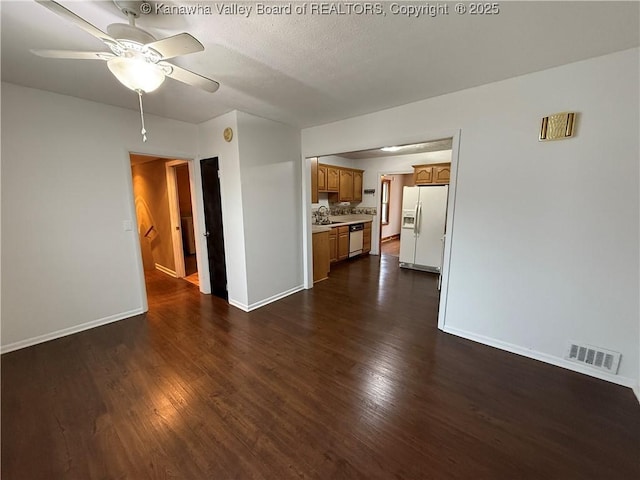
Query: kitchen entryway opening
x=382, y=187
x=164, y=217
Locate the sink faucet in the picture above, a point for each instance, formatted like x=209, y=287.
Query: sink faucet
x=323, y=214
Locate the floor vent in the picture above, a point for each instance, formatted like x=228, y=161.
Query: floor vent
x=595, y=357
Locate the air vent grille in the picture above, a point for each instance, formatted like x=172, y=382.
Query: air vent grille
x=595, y=357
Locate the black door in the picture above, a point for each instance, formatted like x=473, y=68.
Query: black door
x=213, y=225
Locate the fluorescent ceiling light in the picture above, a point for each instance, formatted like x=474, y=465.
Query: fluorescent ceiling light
x=391, y=149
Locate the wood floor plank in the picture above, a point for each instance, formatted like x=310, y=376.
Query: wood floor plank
x=350, y=380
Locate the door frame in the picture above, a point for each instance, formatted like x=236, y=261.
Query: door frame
x=195, y=206
x=393, y=139
x=174, y=214
x=379, y=223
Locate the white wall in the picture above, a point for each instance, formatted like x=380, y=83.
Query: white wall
x=271, y=175
x=260, y=187
x=67, y=263
x=545, y=234
x=212, y=144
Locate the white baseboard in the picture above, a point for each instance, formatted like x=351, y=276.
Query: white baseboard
x=166, y=270
x=262, y=303
x=69, y=331
x=240, y=305
x=543, y=357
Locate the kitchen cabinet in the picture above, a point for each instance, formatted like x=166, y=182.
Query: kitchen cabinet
x=357, y=186
x=314, y=180
x=433, y=174
x=320, y=256
x=322, y=178
x=333, y=179
x=366, y=238
x=344, y=184
x=345, y=194
x=441, y=174
x=328, y=178
x=343, y=242
x=333, y=245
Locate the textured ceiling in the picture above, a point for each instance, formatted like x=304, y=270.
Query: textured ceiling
x=313, y=69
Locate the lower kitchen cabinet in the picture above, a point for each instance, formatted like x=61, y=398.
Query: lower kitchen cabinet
x=343, y=242
x=366, y=238
x=333, y=245
x=320, y=256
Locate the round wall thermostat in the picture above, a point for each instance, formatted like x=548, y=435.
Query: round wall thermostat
x=227, y=134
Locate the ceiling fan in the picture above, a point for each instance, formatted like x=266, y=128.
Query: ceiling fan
x=135, y=58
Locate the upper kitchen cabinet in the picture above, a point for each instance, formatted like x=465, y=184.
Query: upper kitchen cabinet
x=422, y=174
x=322, y=177
x=333, y=179
x=345, y=194
x=328, y=178
x=442, y=173
x=357, y=186
x=433, y=174
x=342, y=184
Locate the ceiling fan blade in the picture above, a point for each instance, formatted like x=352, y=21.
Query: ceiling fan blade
x=72, y=54
x=180, y=44
x=191, y=78
x=68, y=15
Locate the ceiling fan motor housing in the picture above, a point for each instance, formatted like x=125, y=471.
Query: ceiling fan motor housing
x=128, y=7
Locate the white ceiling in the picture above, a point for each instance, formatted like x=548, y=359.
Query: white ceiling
x=313, y=69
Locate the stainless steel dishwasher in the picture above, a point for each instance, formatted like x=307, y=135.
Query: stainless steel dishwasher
x=355, y=239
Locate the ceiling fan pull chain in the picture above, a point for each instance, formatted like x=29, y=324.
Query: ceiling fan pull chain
x=144, y=131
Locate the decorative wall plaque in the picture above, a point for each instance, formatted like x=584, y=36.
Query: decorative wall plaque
x=558, y=126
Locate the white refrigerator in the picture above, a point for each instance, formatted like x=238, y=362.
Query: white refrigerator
x=424, y=214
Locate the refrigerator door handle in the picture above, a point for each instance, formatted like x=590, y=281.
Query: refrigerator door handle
x=418, y=218
x=415, y=219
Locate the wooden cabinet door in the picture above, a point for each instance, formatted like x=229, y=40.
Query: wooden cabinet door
x=441, y=173
x=343, y=242
x=314, y=180
x=320, y=256
x=346, y=186
x=423, y=174
x=333, y=179
x=357, y=186
x=333, y=245
x=322, y=178
x=366, y=238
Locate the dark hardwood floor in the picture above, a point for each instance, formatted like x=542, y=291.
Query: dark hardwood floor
x=391, y=247
x=350, y=380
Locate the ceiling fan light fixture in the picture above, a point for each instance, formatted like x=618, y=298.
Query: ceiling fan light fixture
x=136, y=73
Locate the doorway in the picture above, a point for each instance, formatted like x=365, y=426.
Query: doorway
x=391, y=190
x=375, y=161
x=164, y=216
x=210, y=172
x=179, y=197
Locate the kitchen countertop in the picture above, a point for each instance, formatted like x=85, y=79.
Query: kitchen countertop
x=343, y=220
